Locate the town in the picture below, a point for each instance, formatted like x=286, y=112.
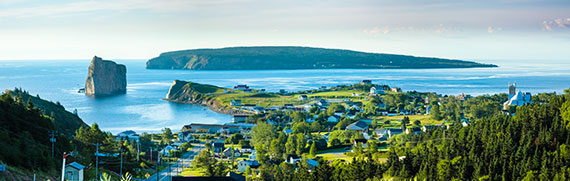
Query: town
x=325, y=125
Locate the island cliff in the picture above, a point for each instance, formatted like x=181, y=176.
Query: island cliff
x=290, y=57
x=201, y=94
x=105, y=78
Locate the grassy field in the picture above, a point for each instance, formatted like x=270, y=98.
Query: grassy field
x=260, y=99
x=346, y=93
x=395, y=120
x=335, y=156
x=192, y=172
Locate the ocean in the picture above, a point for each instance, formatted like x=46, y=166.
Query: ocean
x=143, y=110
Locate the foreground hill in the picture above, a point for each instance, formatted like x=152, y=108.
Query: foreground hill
x=64, y=121
x=24, y=134
x=283, y=57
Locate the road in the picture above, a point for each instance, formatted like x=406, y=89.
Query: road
x=176, y=167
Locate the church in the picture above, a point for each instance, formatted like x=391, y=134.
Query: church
x=517, y=98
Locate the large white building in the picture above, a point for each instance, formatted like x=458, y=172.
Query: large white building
x=517, y=98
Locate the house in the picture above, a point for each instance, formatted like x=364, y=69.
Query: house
x=288, y=131
x=365, y=82
x=413, y=130
x=429, y=127
x=309, y=120
x=253, y=155
x=74, y=172
x=465, y=122
x=203, y=128
x=517, y=98
x=240, y=118
x=333, y=119
x=377, y=91
x=166, y=150
x=394, y=132
x=185, y=136
x=380, y=132
x=128, y=135
x=235, y=102
x=338, y=113
x=396, y=89
x=228, y=152
x=217, y=147
x=247, y=91
x=359, y=126
x=323, y=103
x=243, y=164
x=463, y=97
x=271, y=122
x=303, y=97
x=288, y=106
x=241, y=87
x=292, y=158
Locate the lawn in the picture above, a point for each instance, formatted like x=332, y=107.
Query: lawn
x=260, y=99
x=346, y=93
x=395, y=120
x=335, y=156
x=192, y=172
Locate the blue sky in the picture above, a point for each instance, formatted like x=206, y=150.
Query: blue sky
x=141, y=29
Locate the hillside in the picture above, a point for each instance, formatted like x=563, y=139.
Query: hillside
x=282, y=57
x=64, y=121
x=24, y=135
x=195, y=93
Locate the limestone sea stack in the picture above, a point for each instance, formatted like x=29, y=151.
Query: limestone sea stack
x=106, y=78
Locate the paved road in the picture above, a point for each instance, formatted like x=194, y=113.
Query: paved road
x=176, y=167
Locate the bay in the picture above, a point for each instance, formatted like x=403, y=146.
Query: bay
x=143, y=110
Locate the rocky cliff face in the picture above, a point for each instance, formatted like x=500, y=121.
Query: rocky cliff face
x=106, y=78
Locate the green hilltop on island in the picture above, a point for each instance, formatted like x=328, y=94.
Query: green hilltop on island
x=291, y=57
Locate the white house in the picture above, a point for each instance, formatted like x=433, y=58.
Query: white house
x=166, y=150
x=303, y=97
x=377, y=91
x=243, y=164
x=74, y=172
x=333, y=119
x=288, y=131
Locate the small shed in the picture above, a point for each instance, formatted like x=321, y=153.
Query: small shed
x=74, y=172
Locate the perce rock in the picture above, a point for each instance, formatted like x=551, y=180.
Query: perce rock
x=105, y=78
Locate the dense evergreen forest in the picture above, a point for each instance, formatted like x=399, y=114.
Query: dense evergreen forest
x=290, y=57
x=25, y=147
x=24, y=134
x=531, y=145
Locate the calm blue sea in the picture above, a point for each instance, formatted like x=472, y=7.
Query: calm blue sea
x=142, y=109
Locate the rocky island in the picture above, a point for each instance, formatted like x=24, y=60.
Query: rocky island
x=105, y=78
x=291, y=57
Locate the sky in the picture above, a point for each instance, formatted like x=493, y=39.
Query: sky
x=142, y=29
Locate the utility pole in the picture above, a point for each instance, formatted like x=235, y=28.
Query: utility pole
x=121, y=162
x=97, y=162
x=52, y=139
x=169, y=170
